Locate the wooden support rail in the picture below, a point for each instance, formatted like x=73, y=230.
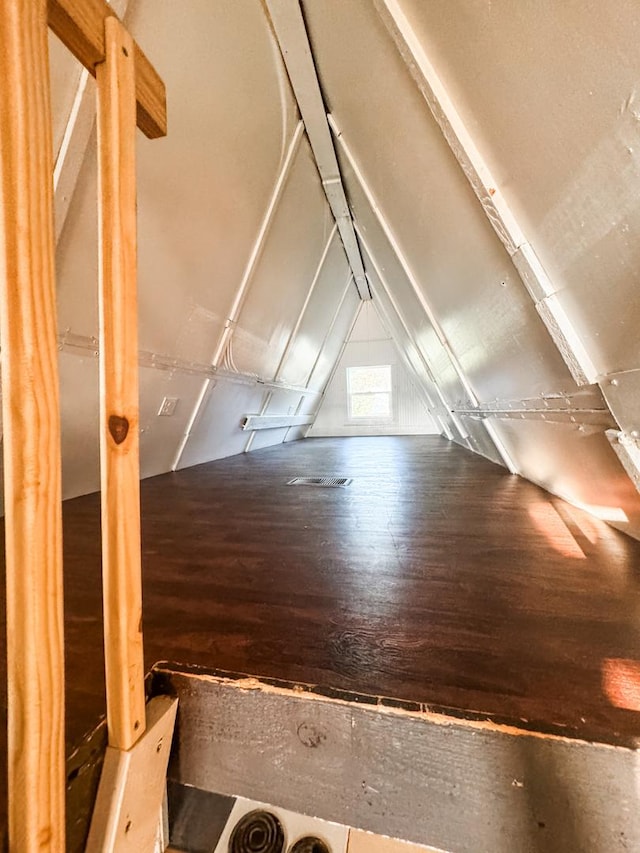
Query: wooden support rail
x=119, y=440
x=130, y=92
x=35, y=655
x=80, y=25
x=128, y=804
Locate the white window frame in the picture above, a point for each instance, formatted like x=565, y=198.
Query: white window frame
x=369, y=419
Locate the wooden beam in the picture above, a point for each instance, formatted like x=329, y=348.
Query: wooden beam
x=77, y=133
x=403, y=769
x=80, y=25
x=119, y=414
x=30, y=405
x=297, y=53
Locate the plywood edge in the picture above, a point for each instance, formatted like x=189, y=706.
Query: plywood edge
x=165, y=676
x=408, y=774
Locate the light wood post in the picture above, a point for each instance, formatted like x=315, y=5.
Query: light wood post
x=119, y=443
x=128, y=804
x=35, y=648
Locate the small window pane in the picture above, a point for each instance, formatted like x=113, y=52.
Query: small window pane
x=369, y=379
x=370, y=406
x=369, y=392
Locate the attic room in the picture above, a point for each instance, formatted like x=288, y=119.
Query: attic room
x=321, y=418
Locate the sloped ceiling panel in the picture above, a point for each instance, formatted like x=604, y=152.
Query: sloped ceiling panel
x=462, y=269
x=337, y=336
x=285, y=271
x=400, y=171
x=329, y=288
x=216, y=431
x=204, y=196
x=550, y=93
x=204, y=189
x=572, y=462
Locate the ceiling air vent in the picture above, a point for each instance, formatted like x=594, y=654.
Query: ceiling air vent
x=328, y=482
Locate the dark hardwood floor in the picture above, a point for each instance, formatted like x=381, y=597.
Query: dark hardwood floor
x=435, y=576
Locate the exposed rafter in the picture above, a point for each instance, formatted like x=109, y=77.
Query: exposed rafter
x=343, y=347
x=303, y=310
x=258, y=246
x=427, y=367
x=402, y=260
x=488, y=192
x=453, y=359
x=329, y=332
x=291, y=33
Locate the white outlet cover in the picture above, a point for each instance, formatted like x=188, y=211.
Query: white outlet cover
x=296, y=826
x=168, y=406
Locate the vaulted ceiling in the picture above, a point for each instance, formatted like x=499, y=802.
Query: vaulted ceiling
x=471, y=167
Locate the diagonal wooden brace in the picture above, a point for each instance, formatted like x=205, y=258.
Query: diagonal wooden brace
x=132, y=785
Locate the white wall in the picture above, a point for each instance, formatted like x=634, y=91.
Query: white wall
x=371, y=344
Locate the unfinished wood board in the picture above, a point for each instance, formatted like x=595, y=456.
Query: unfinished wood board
x=80, y=25
x=129, y=802
x=366, y=842
x=119, y=414
x=423, y=777
x=30, y=407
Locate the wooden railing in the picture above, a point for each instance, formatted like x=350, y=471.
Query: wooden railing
x=130, y=92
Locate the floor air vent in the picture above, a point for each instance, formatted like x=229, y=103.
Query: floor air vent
x=328, y=482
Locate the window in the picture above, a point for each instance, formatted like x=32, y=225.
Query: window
x=369, y=392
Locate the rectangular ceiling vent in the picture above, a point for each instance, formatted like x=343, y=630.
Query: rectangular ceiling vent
x=327, y=482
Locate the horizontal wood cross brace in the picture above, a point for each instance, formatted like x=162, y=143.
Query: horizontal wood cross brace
x=79, y=24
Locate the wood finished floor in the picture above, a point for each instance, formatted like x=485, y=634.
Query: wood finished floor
x=435, y=576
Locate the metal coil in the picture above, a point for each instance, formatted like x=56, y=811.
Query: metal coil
x=257, y=832
x=309, y=844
